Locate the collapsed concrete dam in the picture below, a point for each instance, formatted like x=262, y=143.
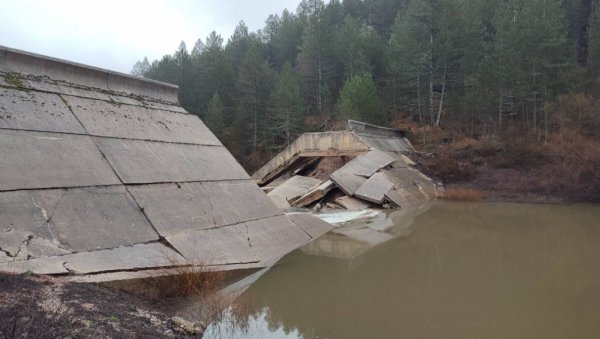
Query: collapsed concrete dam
x=363, y=166
x=104, y=174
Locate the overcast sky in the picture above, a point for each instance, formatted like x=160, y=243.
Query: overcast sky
x=114, y=34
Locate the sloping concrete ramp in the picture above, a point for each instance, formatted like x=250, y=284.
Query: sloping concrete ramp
x=101, y=173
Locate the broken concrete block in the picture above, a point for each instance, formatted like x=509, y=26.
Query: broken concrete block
x=352, y=204
x=315, y=227
x=375, y=188
x=315, y=194
x=292, y=189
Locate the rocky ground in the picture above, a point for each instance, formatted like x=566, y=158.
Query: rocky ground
x=45, y=307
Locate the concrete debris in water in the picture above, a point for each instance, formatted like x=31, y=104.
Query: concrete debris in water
x=363, y=166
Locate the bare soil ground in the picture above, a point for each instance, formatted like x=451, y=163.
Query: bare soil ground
x=45, y=307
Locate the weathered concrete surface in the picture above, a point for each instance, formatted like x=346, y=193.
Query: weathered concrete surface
x=89, y=219
x=144, y=162
x=352, y=204
x=379, y=172
x=31, y=160
x=28, y=110
x=375, y=188
x=103, y=174
x=311, y=144
x=108, y=119
x=40, y=223
x=312, y=226
x=293, y=188
x=140, y=256
x=214, y=204
x=58, y=70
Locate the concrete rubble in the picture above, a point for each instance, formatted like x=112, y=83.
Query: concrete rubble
x=364, y=166
x=104, y=176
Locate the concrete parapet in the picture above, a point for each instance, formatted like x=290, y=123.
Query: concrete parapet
x=26, y=63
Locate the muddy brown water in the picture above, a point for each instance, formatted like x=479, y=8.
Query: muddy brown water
x=454, y=270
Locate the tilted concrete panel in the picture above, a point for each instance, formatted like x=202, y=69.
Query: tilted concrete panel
x=102, y=173
x=102, y=118
x=272, y=238
x=37, y=111
x=315, y=227
x=180, y=208
x=140, y=256
x=90, y=219
x=144, y=162
x=32, y=160
x=218, y=246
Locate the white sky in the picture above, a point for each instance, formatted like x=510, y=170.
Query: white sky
x=114, y=34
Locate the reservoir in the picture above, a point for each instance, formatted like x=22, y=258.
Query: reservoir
x=449, y=270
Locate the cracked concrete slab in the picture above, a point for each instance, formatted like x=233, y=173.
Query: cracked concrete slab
x=218, y=246
x=100, y=218
x=271, y=238
x=180, y=208
x=375, y=188
x=28, y=110
x=103, y=173
x=315, y=227
x=103, y=118
x=33, y=160
x=144, y=162
x=47, y=265
x=140, y=256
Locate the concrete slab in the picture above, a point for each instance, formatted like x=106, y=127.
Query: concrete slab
x=366, y=165
x=33, y=160
x=274, y=237
x=103, y=118
x=137, y=101
x=292, y=189
x=315, y=227
x=99, y=218
x=375, y=188
x=48, y=265
x=175, y=209
x=314, y=194
x=28, y=110
x=387, y=144
x=59, y=87
x=402, y=198
x=352, y=204
x=346, y=181
x=412, y=180
x=143, y=162
x=217, y=246
x=139, y=256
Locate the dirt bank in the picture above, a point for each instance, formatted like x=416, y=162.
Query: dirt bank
x=45, y=307
x=512, y=166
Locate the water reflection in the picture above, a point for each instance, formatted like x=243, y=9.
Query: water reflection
x=458, y=270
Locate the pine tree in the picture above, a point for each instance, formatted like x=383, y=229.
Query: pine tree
x=214, y=115
x=359, y=101
x=286, y=108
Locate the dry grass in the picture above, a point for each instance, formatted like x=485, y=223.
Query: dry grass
x=464, y=194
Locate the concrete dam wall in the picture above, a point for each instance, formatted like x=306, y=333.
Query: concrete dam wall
x=104, y=174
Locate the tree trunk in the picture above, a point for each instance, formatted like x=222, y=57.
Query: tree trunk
x=439, y=115
x=431, y=80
